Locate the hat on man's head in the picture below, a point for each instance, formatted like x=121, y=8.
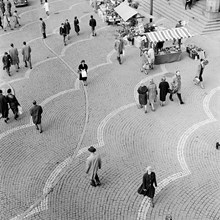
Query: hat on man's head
x=92, y=149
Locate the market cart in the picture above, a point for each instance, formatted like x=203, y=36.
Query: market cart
x=168, y=54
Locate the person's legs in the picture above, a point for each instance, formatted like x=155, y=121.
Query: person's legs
x=44, y=35
x=145, y=108
x=97, y=180
x=180, y=98
x=64, y=40
x=30, y=63
x=8, y=70
x=40, y=128
x=152, y=202
x=152, y=106
x=92, y=183
x=171, y=96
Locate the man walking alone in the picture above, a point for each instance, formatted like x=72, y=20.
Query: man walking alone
x=43, y=28
x=93, y=163
x=35, y=113
x=92, y=24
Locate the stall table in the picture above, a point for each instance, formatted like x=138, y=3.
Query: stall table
x=168, y=58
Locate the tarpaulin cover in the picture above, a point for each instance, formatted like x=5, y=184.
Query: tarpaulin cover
x=170, y=34
x=125, y=11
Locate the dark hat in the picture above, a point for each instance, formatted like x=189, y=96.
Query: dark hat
x=92, y=149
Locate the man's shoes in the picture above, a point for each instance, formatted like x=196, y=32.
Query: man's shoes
x=93, y=184
x=171, y=99
x=181, y=103
x=41, y=131
x=98, y=183
x=37, y=128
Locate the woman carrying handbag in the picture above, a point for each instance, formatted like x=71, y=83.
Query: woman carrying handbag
x=147, y=188
x=82, y=70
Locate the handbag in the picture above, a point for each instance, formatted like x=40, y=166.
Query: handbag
x=141, y=190
x=20, y=110
x=84, y=74
x=196, y=80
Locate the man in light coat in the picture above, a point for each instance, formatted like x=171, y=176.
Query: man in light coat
x=119, y=47
x=13, y=52
x=93, y=163
x=26, y=52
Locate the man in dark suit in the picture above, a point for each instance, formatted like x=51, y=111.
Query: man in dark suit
x=36, y=112
x=92, y=24
x=43, y=28
x=3, y=107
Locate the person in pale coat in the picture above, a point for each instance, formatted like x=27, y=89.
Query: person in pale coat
x=46, y=7
x=26, y=52
x=176, y=87
x=200, y=70
x=151, y=56
x=152, y=94
x=93, y=164
x=145, y=65
x=13, y=52
x=119, y=47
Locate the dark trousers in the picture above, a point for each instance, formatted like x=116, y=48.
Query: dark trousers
x=189, y=5
x=178, y=95
x=44, y=35
x=93, y=182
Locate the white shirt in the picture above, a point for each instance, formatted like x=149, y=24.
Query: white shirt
x=46, y=6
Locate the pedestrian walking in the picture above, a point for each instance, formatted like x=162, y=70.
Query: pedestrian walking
x=13, y=103
x=6, y=21
x=145, y=65
x=178, y=25
x=63, y=33
x=152, y=94
x=3, y=107
x=13, y=52
x=198, y=80
x=148, y=185
x=188, y=3
x=151, y=56
x=92, y=24
x=8, y=6
x=26, y=52
x=93, y=164
x=76, y=25
x=1, y=22
x=6, y=60
x=119, y=47
x=142, y=91
x=43, y=28
x=36, y=112
x=16, y=19
x=82, y=70
x=176, y=87
x=46, y=7
x=68, y=28
x=41, y=1
x=164, y=89
x=2, y=6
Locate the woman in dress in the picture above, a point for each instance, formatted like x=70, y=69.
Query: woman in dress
x=152, y=93
x=142, y=91
x=82, y=70
x=164, y=89
x=76, y=25
x=147, y=188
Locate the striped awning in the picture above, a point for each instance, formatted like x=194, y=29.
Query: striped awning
x=170, y=34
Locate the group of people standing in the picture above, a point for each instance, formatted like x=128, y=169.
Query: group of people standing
x=149, y=93
x=7, y=16
x=12, y=58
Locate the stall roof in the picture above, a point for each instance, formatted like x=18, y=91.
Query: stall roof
x=125, y=11
x=170, y=34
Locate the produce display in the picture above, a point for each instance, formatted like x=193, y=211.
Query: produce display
x=195, y=52
x=168, y=50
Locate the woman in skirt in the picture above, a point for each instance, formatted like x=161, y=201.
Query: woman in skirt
x=82, y=69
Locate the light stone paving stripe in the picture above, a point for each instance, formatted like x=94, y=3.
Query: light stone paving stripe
x=142, y=212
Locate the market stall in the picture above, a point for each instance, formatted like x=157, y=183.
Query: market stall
x=168, y=54
x=195, y=52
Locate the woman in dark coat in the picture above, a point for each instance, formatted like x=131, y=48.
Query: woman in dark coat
x=147, y=188
x=13, y=103
x=164, y=89
x=3, y=107
x=76, y=25
x=142, y=91
x=82, y=70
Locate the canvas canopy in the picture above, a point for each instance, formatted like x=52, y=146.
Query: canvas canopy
x=170, y=34
x=125, y=11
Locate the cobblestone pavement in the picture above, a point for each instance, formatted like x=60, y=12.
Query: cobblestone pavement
x=178, y=141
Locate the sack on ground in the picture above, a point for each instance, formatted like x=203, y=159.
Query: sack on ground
x=20, y=110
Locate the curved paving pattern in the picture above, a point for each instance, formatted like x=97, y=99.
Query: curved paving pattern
x=50, y=167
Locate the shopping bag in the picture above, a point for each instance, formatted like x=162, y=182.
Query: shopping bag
x=20, y=110
x=84, y=73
